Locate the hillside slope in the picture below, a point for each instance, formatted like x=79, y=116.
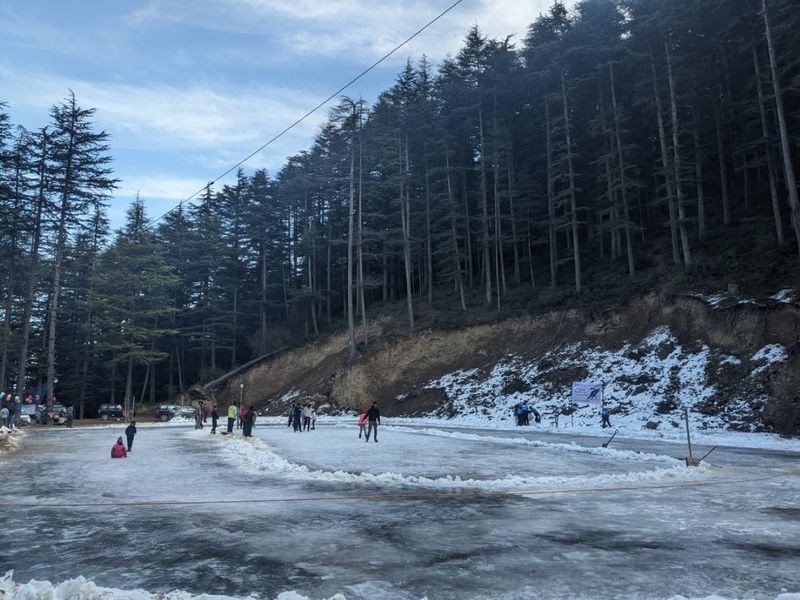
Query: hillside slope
x=733, y=361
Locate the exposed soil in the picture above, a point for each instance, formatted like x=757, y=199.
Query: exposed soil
x=395, y=367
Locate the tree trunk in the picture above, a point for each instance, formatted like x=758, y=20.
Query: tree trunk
x=788, y=168
x=33, y=265
x=622, y=183
x=405, y=217
x=459, y=284
x=467, y=227
x=487, y=270
x=773, y=188
x=351, y=334
x=551, y=202
x=428, y=241
x=676, y=163
x=573, y=200
x=698, y=175
x=512, y=215
x=723, y=170
x=665, y=163
x=361, y=293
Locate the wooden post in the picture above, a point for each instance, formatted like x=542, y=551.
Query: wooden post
x=690, y=460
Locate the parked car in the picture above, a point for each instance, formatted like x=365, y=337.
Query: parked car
x=41, y=415
x=165, y=412
x=111, y=411
x=187, y=412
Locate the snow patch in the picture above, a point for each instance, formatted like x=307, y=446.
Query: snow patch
x=786, y=296
x=82, y=589
x=259, y=456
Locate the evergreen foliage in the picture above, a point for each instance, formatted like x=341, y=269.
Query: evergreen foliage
x=618, y=143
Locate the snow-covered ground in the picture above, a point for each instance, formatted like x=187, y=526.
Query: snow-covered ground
x=646, y=387
x=428, y=512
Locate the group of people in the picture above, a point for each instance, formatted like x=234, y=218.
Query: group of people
x=523, y=412
x=247, y=419
x=242, y=417
x=119, y=450
x=368, y=421
x=302, y=417
x=10, y=407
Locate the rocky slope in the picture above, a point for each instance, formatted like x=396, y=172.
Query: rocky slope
x=733, y=361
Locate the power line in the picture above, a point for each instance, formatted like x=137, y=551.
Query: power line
x=315, y=109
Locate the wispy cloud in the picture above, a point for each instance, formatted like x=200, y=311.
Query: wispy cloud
x=161, y=116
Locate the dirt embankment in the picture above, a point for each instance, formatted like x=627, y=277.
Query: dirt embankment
x=394, y=370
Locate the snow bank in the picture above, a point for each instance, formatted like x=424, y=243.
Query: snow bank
x=9, y=438
x=646, y=387
x=255, y=454
x=784, y=296
x=81, y=589
x=728, y=300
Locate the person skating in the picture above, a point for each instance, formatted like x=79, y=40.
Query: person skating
x=118, y=449
x=313, y=418
x=306, y=417
x=291, y=414
x=231, y=417
x=297, y=415
x=249, y=419
x=605, y=420
x=214, y=419
x=373, y=420
x=130, y=431
x=362, y=422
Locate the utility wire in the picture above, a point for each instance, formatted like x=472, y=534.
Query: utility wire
x=315, y=109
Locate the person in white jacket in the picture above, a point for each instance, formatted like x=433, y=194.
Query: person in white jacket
x=306, y=417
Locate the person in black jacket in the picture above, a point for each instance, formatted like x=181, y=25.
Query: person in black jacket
x=373, y=420
x=130, y=431
x=249, y=419
x=214, y=419
x=297, y=416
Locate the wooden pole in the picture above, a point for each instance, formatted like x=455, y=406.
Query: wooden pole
x=690, y=460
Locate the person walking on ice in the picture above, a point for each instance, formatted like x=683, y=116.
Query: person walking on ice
x=214, y=419
x=604, y=418
x=373, y=420
x=362, y=422
x=130, y=431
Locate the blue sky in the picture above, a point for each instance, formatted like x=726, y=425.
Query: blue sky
x=187, y=88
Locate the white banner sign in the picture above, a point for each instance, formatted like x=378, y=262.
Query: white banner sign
x=586, y=392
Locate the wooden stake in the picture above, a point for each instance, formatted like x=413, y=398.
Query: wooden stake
x=690, y=460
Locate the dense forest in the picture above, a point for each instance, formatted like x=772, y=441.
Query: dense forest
x=615, y=139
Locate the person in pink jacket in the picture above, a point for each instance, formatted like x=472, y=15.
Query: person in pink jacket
x=362, y=422
x=118, y=450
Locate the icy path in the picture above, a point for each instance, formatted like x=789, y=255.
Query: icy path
x=424, y=513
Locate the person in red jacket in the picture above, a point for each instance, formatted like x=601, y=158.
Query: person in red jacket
x=362, y=422
x=118, y=450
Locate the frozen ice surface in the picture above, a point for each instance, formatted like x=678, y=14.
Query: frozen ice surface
x=428, y=512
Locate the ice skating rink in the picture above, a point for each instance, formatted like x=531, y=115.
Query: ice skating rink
x=428, y=512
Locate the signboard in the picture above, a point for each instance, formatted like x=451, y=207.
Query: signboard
x=586, y=392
